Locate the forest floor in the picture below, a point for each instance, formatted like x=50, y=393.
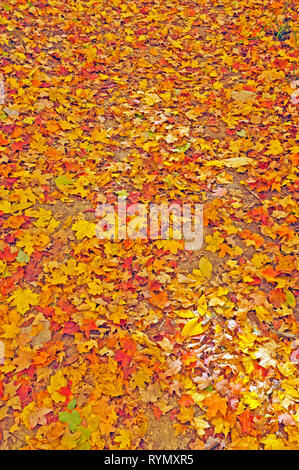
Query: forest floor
x=143, y=343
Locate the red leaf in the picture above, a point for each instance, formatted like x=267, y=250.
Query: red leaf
x=123, y=358
x=157, y=412
x=23, y=392
x=246, y=421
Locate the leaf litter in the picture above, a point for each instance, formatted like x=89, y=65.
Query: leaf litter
x=139, y=344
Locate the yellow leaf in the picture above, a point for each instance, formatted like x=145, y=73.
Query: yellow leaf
x=214, y=241
x=99, y=135
x=251, y=399
x=10, y=331
x=58, y=381
x=172, y=245
x=166, y=96
x=221, y=426
x=84, y=229
x=193, y=328
x=185, y=313
x=143, y=84
x=205, y=267
x=147, y=146
x=3, y=266
x=186, y=414
x=202, y=305
x=124, y=439
x=243, y=95
x=236, y=162
x=200, y=425
x=151, y=98
x=218, y=85
x=23, y=298
x=5, y=206
x=65, y=125
x=275, y=148
x=3, y=411
x=271, y=442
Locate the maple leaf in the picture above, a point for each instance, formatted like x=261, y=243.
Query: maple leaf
x=266, y=360
x=39, y=417
x=186, y=414
x=72, y=418
x=58, y=381
x=214, y=241
x=286, y=419
x=160, y=300
x=124, y=438
x=202, y=382
x=70, y=440
x=275, y=148
x=214, y=403
x=84, y=228
x=221, y=426
x=139, y=379
x=272, y=442
x=172, y=245
x=251, y=399
x=99, y=135
x=246, y=420
x=22, y=257
x=23, y=361
x=174, y=366
x=23, y=299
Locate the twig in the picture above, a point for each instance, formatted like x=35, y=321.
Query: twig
x=253, y=194
x=282, y=333
x=253, y=317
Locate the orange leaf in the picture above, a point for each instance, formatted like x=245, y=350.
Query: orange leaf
x=214, y=403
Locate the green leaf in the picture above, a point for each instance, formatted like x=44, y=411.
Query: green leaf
x=85, y=433
x=62, y=180
x=182, y=148
x=83, y=442
x=28, y=120
x=22, y=257
x=241, y=133
x=168, y=181
x=150, y=134
x=73, y=419
x=290, y=298
x=122, y=194
x=72, y=404
x=84, y=446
